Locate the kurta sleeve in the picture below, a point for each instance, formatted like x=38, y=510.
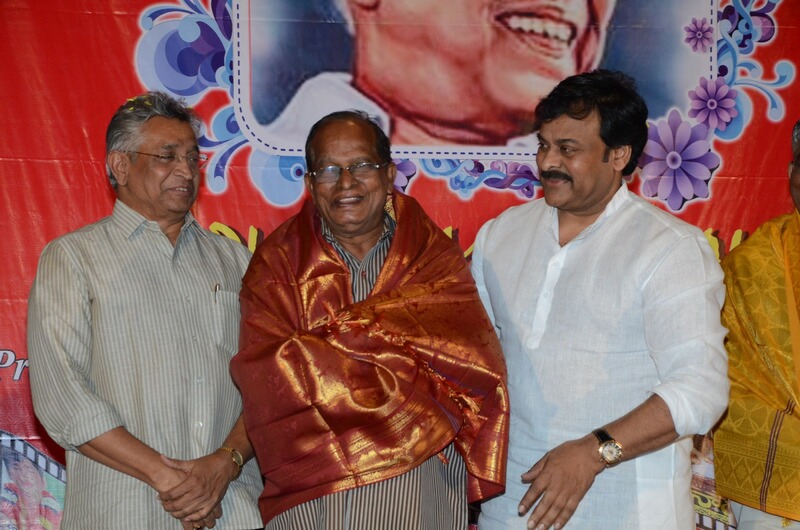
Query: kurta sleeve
x=681, y=302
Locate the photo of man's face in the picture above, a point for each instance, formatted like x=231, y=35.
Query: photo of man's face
x=470, y=71
x=457, y=78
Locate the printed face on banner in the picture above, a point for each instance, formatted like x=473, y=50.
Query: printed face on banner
x=474, y=70
x=31, y=488
x=436, y=74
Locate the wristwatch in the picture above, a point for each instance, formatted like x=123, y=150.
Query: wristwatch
x=236, y=456
x=610, y=450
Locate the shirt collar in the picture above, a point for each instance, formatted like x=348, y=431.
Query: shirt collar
x=133, y=223
x=389, y=226
x=620, y=198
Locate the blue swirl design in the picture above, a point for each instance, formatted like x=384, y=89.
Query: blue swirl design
x=186, y=56
x=186, y=50
x=286, y=189
x=465, y=176
x=743, y=27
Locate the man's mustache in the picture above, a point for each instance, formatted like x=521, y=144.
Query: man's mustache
x=554, y=174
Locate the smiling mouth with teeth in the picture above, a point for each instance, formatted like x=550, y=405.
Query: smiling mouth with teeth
x=559, y=31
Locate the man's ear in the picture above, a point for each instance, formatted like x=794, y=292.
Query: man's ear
x=307, y=179
x=120, y=166
x=621, y=156
x=391, y=172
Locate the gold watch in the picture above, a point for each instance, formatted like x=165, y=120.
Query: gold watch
x=610, y=450
x=237, y=458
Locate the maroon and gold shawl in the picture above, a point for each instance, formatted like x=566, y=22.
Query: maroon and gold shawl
x=338, y=394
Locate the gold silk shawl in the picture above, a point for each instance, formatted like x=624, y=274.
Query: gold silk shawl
x=757, y=445
x=337, y=394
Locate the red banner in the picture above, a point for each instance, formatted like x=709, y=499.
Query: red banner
x=455, y=85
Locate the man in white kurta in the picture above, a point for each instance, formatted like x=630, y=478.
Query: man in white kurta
x=607, y=309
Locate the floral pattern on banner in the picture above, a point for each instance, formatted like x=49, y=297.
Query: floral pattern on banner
x=743, y=26
x=186, y=50
x=678, y=161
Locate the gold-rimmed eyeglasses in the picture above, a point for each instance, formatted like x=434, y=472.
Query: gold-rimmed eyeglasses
x=195, y=161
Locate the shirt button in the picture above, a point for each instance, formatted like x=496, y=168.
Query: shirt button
x=199, y=379
x=199, y=424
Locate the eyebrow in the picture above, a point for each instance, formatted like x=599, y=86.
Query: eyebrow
x=560, y=141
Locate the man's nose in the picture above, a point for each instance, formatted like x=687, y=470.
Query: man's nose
x=184, y=169
x=547, y=159
x=346, y=179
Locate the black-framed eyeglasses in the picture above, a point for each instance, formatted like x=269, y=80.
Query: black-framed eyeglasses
x=359, y=171
x=195, y=161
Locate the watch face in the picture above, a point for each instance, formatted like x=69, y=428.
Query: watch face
x=611, y=452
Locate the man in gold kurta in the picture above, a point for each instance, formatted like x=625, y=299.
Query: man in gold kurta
x=757, y=445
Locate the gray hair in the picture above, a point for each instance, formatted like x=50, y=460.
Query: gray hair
x=796, y=141
x=124, y=129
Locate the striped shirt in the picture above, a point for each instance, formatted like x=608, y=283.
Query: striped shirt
x=126, y=330
x=432, y=496
x=364, y=273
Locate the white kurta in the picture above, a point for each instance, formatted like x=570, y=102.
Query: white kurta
x=590, y=330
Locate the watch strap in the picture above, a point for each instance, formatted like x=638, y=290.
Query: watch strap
x=236, y=458
x=602, y=435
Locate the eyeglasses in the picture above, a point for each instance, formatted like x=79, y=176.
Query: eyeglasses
x=195, y=161
x=360, y=171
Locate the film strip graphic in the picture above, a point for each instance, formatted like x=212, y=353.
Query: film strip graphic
x=9, y=441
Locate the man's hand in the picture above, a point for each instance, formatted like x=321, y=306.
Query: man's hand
x=199, y=496
x=210, y=521
x=559, y=482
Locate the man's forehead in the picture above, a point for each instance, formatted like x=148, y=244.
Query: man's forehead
x=344, y=138
x=168, y=129
x=566, y=127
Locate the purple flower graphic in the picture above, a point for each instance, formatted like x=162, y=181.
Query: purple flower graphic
x=713, y=103
x=699, y=35
x=677, y=161
x=405, y=170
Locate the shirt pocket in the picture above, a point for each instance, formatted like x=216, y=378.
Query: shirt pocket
x=226, y=321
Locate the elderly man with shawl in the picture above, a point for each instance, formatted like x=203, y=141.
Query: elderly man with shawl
x=373, y=383
x=757, y=444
